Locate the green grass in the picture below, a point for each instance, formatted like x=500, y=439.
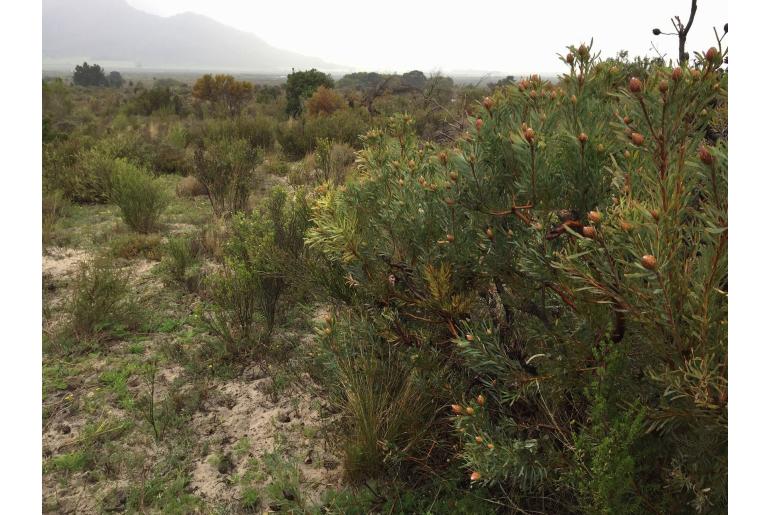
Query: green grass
x=69, y=462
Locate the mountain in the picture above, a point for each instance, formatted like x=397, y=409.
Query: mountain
x=114, y=33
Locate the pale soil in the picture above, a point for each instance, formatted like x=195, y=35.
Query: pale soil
x=246, y=409
x=289, y=422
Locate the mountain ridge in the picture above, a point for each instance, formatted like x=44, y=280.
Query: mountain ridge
x=113, y=31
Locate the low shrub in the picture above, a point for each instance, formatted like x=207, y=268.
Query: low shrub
x=259, y=131
x=342, y=126
x=133, y=245
x=333, y=160
x=389, y=410
x=276, y=166
x=55, y=206
x=261, y=259
x=226, y=168
x=180, y=262
x=304, y=172
x=190, y=186
x=324, y=101
x=88, y=180
x=292, y=138
x=140, y=197
x=99, y=305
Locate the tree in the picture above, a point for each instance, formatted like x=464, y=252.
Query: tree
x=681, y=32
x=300, y=85
x=223, y=90
x=115, y=80
x=89, y=75
x=414, y=79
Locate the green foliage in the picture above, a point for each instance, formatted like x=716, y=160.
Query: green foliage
x=225, y=166
x=140, y=197
x=181, y=263
x=333, y=160
x=99, y=305
x=300, y=85
x=115, y=80
x=132, y=245
x=260, y=259
x=345, y=126
x=158, y=98
x=89, y=75
x=258, y=131
x=55, y=206
x=547, y=238
x=84, y=177
x=390, y=411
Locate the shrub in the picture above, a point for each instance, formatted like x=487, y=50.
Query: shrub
x=567, y=260
x=99, y=306
x=261, y=258
x=276, y=166
x=389, y=411
x=300, y=85
x=226, y=168
x=224, y=90
x=89, y=75
x=259, y=131
x=88, y=180
x=291, y=136
x=333, y=160
x=181, y=263
x=55, y=206
x=190, y=186
x=157, y=99
x=324, y=102
x=140, y=197
x=129, y=246
x=345, y=126
x=342, y=126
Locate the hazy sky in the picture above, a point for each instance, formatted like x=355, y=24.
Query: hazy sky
x=509, y=36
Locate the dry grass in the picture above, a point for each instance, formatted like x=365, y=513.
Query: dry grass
x=190, y=187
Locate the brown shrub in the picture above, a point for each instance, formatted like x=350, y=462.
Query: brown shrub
x=190, y=187
x=324, y=101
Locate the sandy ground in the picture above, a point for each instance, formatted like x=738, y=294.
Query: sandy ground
x=243, y=408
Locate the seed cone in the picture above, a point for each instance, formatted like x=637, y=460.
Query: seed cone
x=705, y=155
x=649, y=262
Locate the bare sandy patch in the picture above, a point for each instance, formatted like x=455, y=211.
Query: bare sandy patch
x=246, y=408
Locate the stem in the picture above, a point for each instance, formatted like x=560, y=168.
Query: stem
x=532, y=157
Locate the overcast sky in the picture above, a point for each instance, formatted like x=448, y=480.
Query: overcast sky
x=508, y=36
